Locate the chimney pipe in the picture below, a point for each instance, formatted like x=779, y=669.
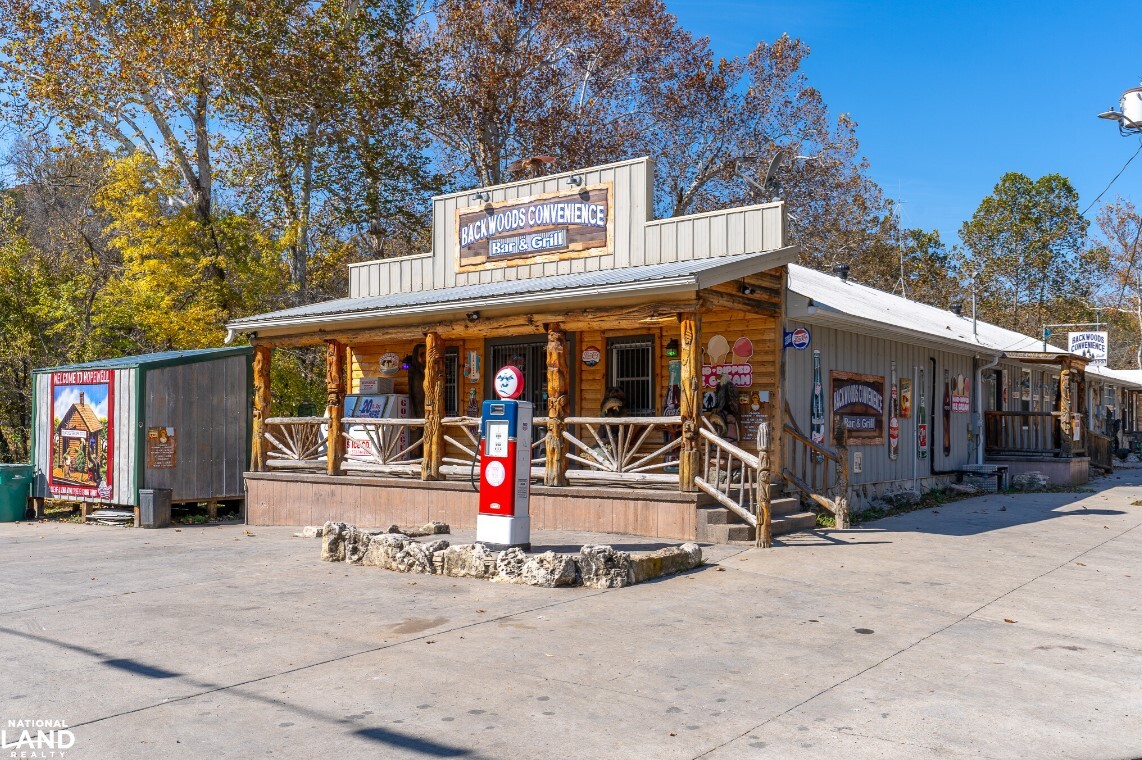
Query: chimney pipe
x=842, y=271
x=958, y=309
x=81, y=395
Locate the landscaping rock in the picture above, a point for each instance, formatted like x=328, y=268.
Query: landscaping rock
x=603, y=567
x=963, y=488
x=509, y=565
x=1030, y=481
x=468, y=561
x=438, y=545
x=310, y=531
x=413, y=558
x=384, y=550
x=668, y=561
x=333, y=541
x=550, y=570
x=903, y=498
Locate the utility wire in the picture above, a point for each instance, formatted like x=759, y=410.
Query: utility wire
x=1116, y=176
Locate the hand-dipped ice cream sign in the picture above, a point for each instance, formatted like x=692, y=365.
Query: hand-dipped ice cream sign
x=732, y=362
x=543, y=227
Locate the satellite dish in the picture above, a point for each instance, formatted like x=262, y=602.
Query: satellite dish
x=534, y=163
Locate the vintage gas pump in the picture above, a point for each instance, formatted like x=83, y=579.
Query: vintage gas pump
x=505, y=465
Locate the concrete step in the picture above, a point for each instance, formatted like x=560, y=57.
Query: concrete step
x=786, y=505
x=715, y=533
x=792, y=523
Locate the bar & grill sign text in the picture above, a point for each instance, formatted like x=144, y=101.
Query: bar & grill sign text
x=859, y=402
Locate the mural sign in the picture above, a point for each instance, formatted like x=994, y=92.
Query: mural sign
x=722, y=360
x=859, y=402
x=592, y=356
x=83, y=407
x=1092, y=345
x=573, y=222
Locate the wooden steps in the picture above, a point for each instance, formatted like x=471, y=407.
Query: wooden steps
x=718, y=525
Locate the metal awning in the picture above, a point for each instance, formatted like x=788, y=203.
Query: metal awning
x=638, y=283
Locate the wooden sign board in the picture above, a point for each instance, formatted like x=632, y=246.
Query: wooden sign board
x=162, y=451
x=859, y=401
x=548, y=227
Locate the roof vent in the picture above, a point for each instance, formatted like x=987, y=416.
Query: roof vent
x=842, y=271
x=958, y=309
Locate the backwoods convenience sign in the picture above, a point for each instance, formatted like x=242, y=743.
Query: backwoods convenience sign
x=556, y=223
x=859, y=401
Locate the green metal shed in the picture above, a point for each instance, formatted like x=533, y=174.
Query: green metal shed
x=177, y=419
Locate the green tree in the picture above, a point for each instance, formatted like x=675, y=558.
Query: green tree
x=1028, y=249
x=1120, y=226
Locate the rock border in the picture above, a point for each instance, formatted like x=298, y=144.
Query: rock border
x=595, y=566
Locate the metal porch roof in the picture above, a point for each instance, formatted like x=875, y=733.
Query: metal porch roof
x=655, y=278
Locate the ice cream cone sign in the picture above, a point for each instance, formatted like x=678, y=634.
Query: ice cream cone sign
x=722, y=362
x=717, y=349
x=743, y=350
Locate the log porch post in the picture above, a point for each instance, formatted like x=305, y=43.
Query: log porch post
x=261, y=371
x=691, y=406
x=555, y=471
x=433, y=446
x=1066, y=438
x=841, y=503
x=335, y=401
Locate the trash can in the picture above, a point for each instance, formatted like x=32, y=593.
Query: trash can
x=15, y=487
x=154, y=507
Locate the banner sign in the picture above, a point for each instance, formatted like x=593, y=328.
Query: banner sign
x=905, y=398
x=83, y=414
x=859, y=401
x=961, y=394
x=577, y=221
x=1092, y=345
x=798, y=339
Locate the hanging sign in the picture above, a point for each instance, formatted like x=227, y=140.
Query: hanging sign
x=508, y=382
x=859, y=402
x=572, y=222
x=592, y=356
x=817, y=409
x=893, y=416
x=722, y=360
x=961, y=394
x=389, y=364
x=161, y=448
x=83, y=406
x=798, y=339
x=905, y=398
x=1092, y=345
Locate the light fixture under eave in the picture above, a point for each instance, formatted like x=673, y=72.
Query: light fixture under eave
x=672, y=347
x=480, y=195
x=575, y=180
x=473, y=316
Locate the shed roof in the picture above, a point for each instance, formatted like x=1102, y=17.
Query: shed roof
x=832, y=298
x=650, y=279
x=162, y=358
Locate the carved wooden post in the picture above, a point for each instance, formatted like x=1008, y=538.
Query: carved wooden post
x=261, y=369
x=764, y=478
x=691, y=406
x=433, y=406
x=1066, y=438
x=841, y=440
x=555, y=473
x=335, y=405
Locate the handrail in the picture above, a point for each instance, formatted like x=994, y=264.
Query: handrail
x=718, y=483
x=622, y=447
x=812, y=477
x=816, y=447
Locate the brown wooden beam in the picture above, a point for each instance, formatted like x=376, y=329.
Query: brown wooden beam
x=737, y=302
x=335, y=401
x=557, y=406
x=261, y=370
x=691, y=403
x=433, y=407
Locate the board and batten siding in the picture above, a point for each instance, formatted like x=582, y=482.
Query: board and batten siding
x=207, y=405
x=846, y=351
x=123, y=473
x=637, y=240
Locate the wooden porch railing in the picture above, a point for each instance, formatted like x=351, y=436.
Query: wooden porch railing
x=622, y=448
x=1100, y=449
x=383, y=445
x=1008, y=433
x=819, y=473
x=295, y=442
x=730, y=477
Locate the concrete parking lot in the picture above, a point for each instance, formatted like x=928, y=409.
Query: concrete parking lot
x=995, y=627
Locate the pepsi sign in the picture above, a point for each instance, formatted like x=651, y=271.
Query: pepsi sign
x=798, y=339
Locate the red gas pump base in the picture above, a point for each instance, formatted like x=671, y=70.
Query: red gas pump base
x=499, y=532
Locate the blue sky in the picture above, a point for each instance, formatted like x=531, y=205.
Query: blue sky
x=949, y=96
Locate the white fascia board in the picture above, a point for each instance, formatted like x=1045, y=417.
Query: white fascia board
x=681, y=284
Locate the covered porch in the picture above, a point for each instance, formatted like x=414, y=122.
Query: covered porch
x=627, y=370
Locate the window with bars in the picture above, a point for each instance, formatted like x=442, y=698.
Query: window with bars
x=451, y=382
x=630, y=367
